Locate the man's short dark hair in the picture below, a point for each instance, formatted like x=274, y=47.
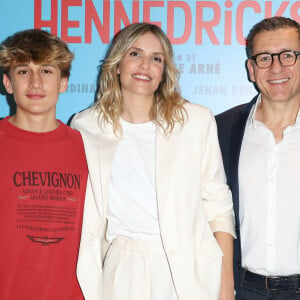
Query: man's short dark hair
x=268, y=25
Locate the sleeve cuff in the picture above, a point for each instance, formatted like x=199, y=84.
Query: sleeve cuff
x=224, y=223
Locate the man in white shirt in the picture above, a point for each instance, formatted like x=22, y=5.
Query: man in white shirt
x=260, y=144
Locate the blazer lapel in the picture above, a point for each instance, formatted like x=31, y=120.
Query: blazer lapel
x=107, y=148
x=164, y=174
x=161, y=169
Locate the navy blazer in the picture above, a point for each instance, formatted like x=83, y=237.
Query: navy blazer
x=231, y=127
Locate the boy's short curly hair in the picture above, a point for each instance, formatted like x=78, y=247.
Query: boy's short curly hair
x=38, y=46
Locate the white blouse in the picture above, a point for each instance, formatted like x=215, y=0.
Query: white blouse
x=132, y=199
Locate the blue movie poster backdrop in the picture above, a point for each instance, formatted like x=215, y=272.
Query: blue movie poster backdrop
x=208, y=39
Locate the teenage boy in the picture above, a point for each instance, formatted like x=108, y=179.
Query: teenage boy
x=43, y=174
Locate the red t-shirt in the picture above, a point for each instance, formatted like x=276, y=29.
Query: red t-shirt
x=42, y=187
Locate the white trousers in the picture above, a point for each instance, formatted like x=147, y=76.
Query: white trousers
x=137, y=270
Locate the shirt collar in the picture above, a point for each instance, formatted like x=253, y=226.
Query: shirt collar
x=251, y=118
x=298, y=117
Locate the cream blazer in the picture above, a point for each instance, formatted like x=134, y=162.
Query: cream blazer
x=193, y=202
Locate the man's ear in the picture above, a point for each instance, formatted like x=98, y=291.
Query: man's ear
x=7, y=84
x=250, y=67
x=64, y=84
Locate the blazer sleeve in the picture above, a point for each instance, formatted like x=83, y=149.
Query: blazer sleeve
x=216, y=194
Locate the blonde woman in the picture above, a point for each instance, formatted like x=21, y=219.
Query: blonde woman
x=158, y=215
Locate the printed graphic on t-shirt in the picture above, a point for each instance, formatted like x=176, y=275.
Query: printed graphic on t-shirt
x=47, y=204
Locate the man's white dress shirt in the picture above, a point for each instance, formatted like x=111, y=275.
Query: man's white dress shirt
x=269, y=187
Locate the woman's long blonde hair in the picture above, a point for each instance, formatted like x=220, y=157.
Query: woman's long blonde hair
x=167, y=107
